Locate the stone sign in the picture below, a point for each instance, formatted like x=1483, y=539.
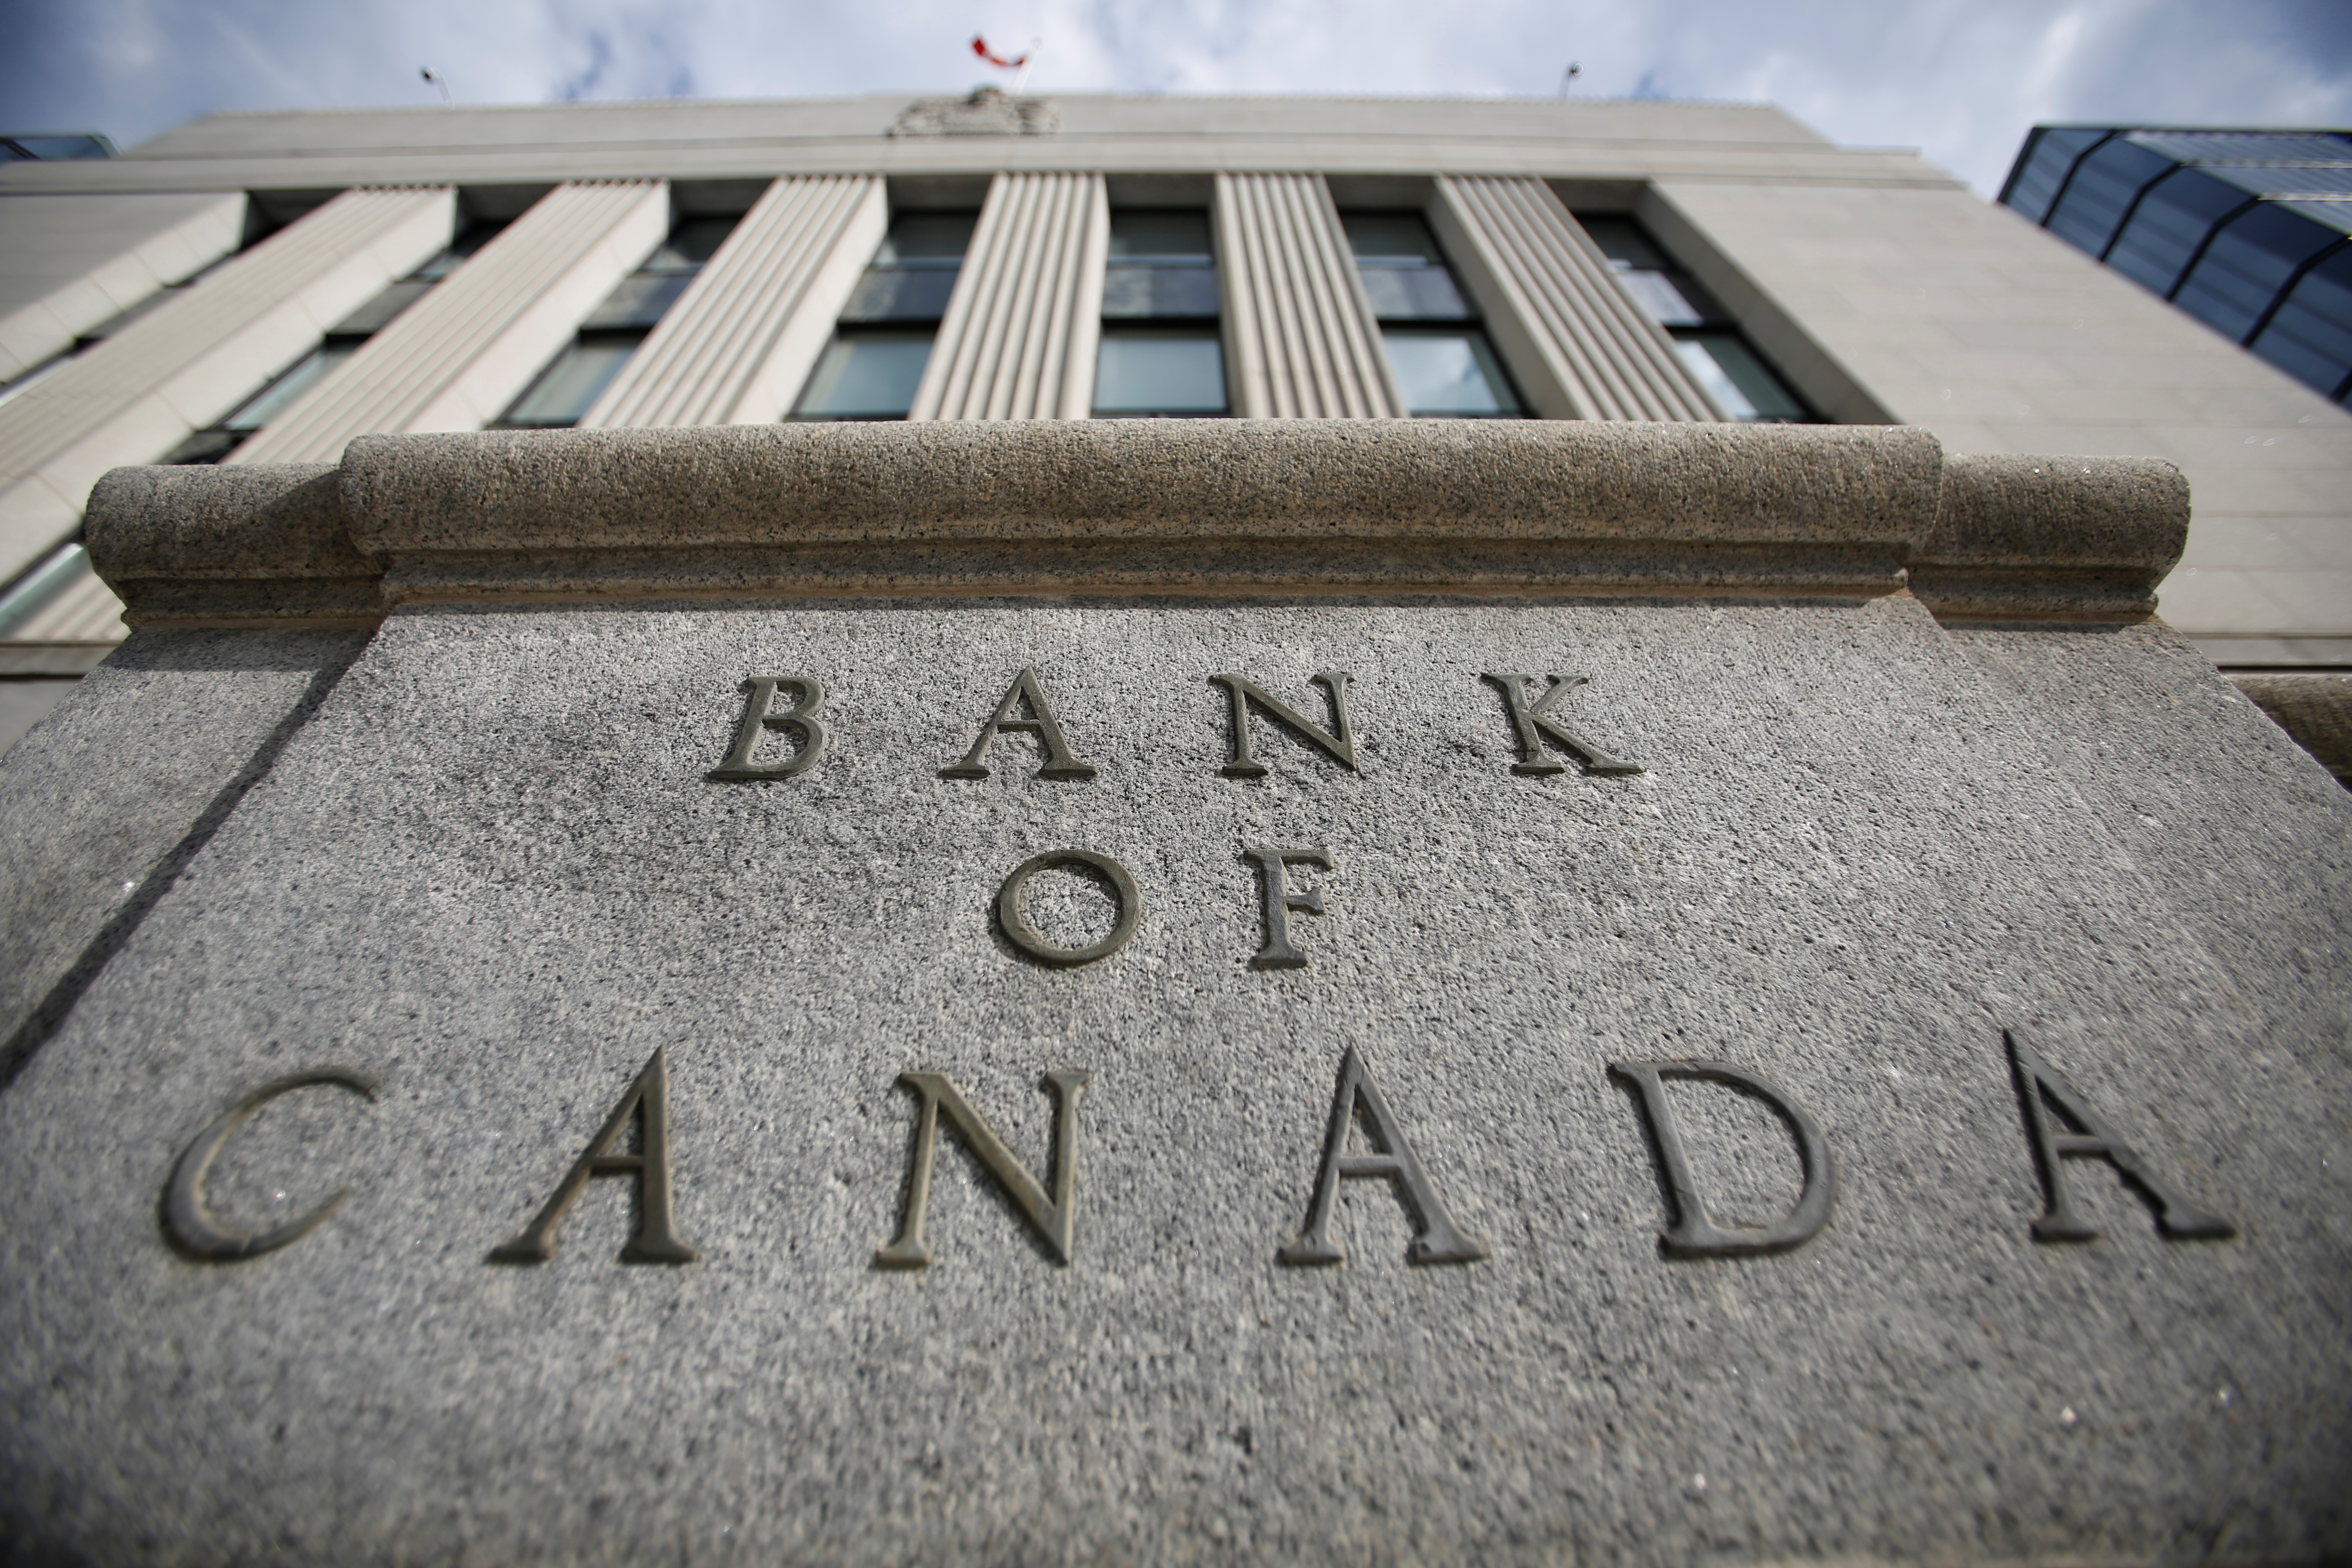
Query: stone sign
x=1077, y=993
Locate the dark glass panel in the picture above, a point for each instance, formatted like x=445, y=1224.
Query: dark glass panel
x=1669, y=298
x=378, y=312
x=1404, y=273
x=1666, y=295
x=867, y=375
x=2089, y=215
x=1132, y=292
x=567, y=388
x=1396, y=239
x=900, y=294
x=1414, y=293
x=470, y=239
x=1143, y=370
x=2053, y=152
x=1449, y=372
x=2248, y=263
x=2310, y=336
x=638, y=300
x=1622, y=240
x=64, y=146
x=2172, y=221
x=274, y=399
x=918, y=239
x=1159, y=237
x=204, y=446
x=689, y=245
x=1738, y=379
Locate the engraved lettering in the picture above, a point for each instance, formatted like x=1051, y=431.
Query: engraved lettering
x=656, y=1239
x=758, y=716
x=1014, y=919
x=1059, y=761
x=1532, y=722
x=1053, y=1218
x=2082, y=1135
x=1435, y=1240
x=1280, y=900
x=1693, y=1234
x=185, y=1213
x=1240, y=692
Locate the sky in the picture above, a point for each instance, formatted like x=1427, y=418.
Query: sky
x=1959, y=79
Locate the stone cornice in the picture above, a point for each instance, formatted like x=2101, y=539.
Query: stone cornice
x=1213, y=507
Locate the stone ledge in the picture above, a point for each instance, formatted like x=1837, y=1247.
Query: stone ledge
x=2052, y=538
x=2316, y=709
x=1195, y=507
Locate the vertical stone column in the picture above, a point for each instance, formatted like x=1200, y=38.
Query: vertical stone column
x=1019, y=338
x=454, y=360
x=1577, y=343
x=100, y=255
x=1299, y=327
x=745, y=334
x=192, y=360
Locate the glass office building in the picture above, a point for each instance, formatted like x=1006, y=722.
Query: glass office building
x=2249, y=231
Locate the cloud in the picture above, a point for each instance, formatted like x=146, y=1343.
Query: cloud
x=1962, y=80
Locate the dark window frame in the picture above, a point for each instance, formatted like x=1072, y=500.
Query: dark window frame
x=1188, y=326
x=859, y=319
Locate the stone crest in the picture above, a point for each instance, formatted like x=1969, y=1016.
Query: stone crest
x=986, y=111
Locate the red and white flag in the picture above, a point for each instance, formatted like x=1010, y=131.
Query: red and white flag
x=980, y=47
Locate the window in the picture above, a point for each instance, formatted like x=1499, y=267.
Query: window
x=2168, y=228
x=2310, y=334
x=1443, y=364
x=342, y=341
x=575, y=378
x=1712, y=348
x=875, y=361
x=2250, y=259
x=2041, y=168
x=1161, y=356
x=2106, y=186
x=69, y=144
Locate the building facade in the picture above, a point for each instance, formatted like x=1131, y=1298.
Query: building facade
x=1578, y=943
x=2245, y=230
x=263, y=288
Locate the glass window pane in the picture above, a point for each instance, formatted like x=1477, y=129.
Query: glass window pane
x=1739, y=381
x=689, y=245
x=897, y=294
x=867, y=375
x=1453, y=372
x=470, y=239
x=1158, y=236
x=566, y=389
x=1621, y=239
x=926, y=237
x=1391, y=237
x=638, y=300
x=378, y=312
x=1414, y=293
x=2103, y=189
x=1665, y=299
x=2247, y=264
x=63, y=146
x=305, y=373
x=2054, y=152
x=1160, y=373
x=1131, y=291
